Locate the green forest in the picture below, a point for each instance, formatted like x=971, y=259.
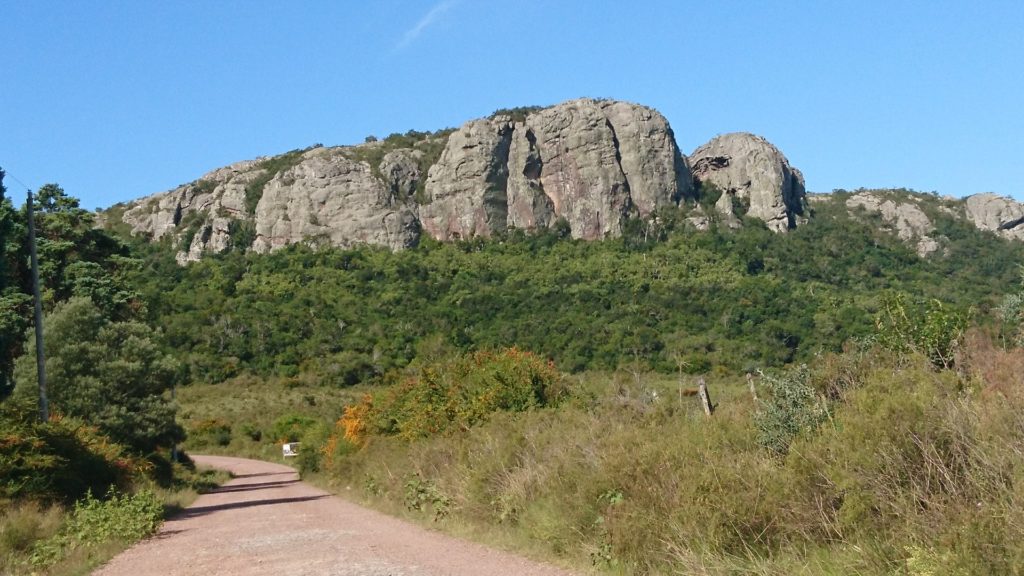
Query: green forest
x=660, y=296
x=537, y=389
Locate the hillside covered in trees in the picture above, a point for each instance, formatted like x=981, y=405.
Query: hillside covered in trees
x=662, y=296
x=536, y=387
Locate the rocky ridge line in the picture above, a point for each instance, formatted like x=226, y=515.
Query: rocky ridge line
x=591, y=163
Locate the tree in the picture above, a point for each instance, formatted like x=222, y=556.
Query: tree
x=111, y=374
x=13, y=304
x=1011, y=312
x=66, y=235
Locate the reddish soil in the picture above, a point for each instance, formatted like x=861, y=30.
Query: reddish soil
x=265, y=521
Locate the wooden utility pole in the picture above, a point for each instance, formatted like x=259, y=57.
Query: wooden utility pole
x=44, y=408
x=174, y=446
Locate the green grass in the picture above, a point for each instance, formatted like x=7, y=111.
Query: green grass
x=72, y=541
x=250, y=406
x=914, y=467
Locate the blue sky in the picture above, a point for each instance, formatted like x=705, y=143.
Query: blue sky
x=118, y=99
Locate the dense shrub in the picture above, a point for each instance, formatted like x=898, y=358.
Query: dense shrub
x=793, y=407
x=929, y=328
x=111, y=374
x=456, y=394
x=210, y=431
x=60, y=460
x=291, y=427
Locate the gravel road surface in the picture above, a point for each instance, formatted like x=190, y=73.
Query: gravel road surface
x=265, y=521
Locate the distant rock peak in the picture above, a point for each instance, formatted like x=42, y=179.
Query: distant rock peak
x=592, y=163
x=748, y=167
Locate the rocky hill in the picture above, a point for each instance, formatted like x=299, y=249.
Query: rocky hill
x=591, y=164
x=918, y=219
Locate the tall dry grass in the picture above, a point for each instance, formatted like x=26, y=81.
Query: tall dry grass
x=914, y=468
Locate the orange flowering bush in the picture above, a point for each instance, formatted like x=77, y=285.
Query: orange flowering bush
x=350, y=431
x=458, y=393
x=354, y=420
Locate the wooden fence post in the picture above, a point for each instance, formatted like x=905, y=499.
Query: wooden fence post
x=705, y=398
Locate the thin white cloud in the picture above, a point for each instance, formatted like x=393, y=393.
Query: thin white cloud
x=429, y=18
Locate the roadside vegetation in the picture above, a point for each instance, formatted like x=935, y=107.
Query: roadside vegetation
x=869, y=461
x=97, y=474
x=537, y=392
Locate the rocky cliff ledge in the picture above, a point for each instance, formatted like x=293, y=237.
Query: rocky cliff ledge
x=591, y=163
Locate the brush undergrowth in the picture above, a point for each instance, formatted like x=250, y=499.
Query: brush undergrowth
x=70, y=498
x=893, y=466
x=870, y=461
x=40, y=536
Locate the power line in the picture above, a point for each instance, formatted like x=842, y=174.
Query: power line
x=7, y=173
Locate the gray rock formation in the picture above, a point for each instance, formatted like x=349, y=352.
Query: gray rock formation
x=593, y=163
x=329, y=197
x=467, y=188
x=529, y=208
x=750, y=169
x=220, y=191
x=325, y=197
x=998, y=214
x=910, y=223
x=401, y=172
x=590, y=162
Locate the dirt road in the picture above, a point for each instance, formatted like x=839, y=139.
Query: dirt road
x=265, y=521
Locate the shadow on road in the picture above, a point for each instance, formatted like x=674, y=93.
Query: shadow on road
x=253, y=486
x=203, y=510
x=262, y=474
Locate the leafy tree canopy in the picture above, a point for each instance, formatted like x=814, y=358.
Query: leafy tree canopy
x=112, y=374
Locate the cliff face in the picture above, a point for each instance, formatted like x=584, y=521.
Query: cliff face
x=319, y=195
x=331, y=198
x=593, y=163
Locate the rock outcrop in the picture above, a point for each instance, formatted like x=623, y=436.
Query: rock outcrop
x=467, y=190
x=220, y=191
x=910, y=223
x=329, y=197
x=751, y=170
x=591, y=163
x=324, y=197
x=997, y=214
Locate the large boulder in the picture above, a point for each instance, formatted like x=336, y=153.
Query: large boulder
x=748, y=168
x=998, y=214
x=580, y=167
x=590, y=162
x=401, y=172
x=657, y=173
x=467, y=188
